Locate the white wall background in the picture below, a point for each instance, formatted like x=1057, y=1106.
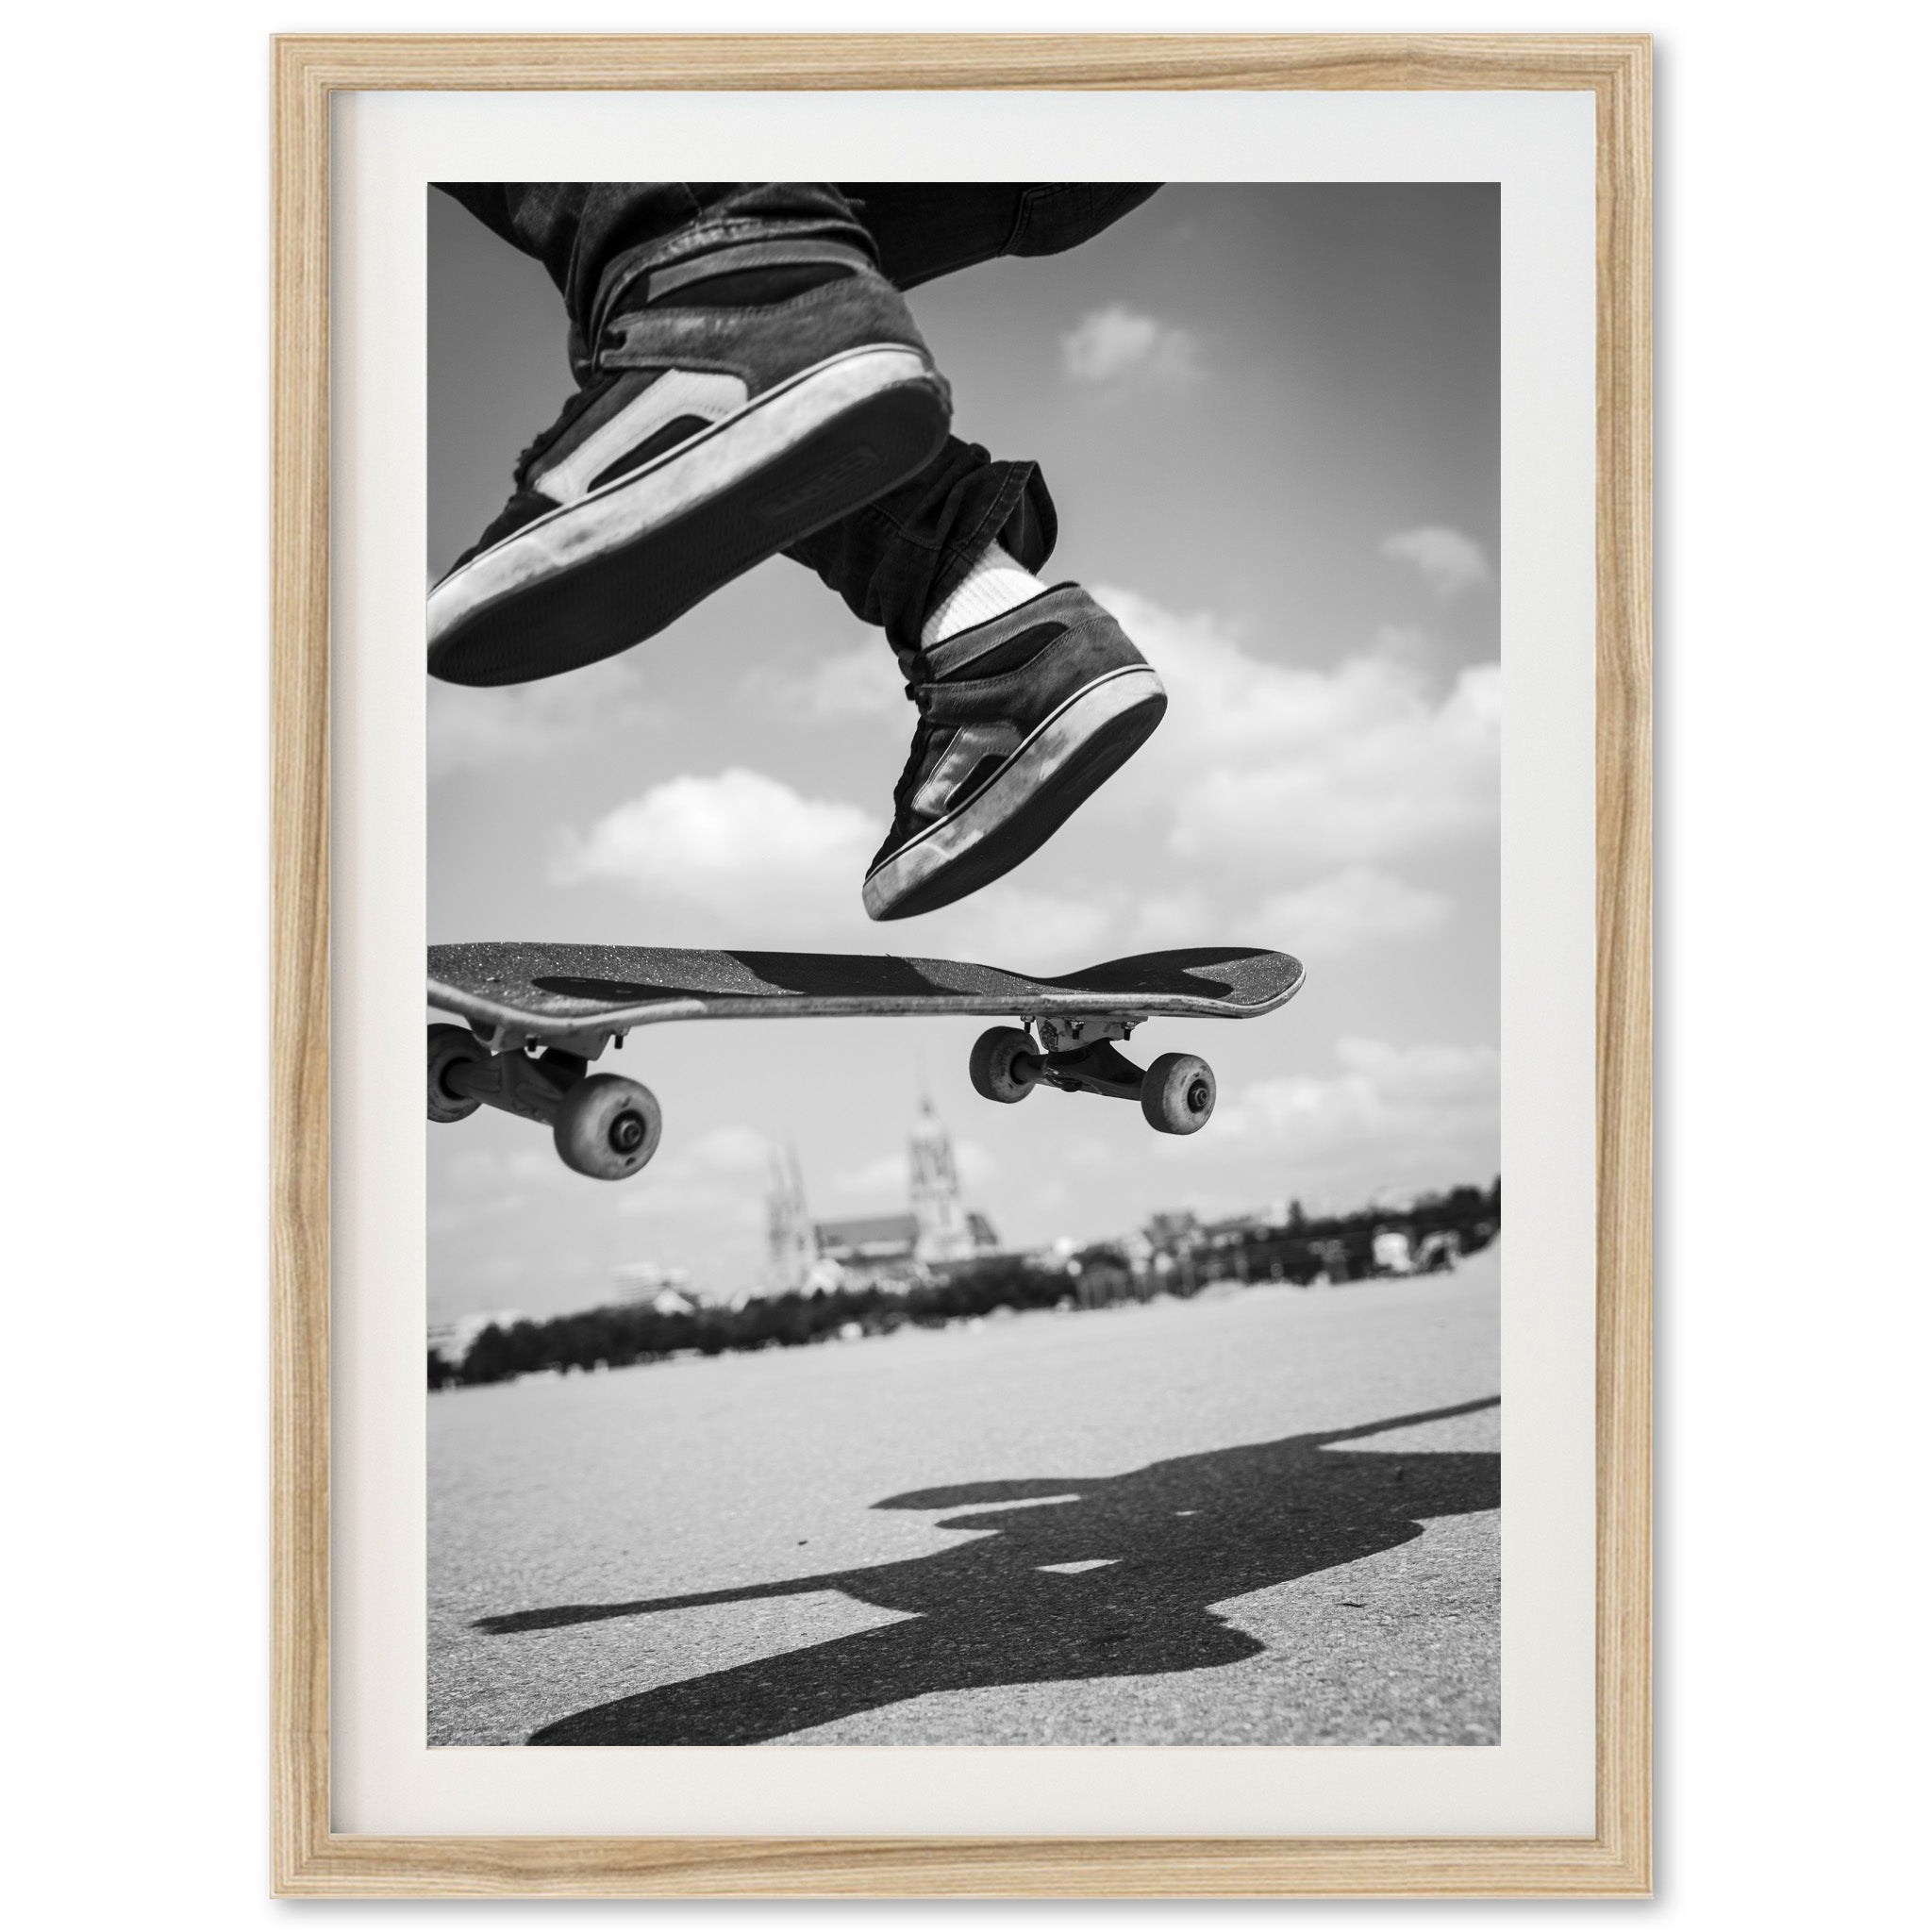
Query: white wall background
x=1793, y=695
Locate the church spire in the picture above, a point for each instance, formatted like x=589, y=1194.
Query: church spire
x=793, y=1241
x=944, y=1233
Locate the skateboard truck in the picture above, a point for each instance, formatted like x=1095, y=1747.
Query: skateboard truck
x=587, y=1043
x=1076, y=1052
x=1067, y=1032
x=605, y=1125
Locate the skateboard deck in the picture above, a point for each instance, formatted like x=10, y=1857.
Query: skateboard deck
x=538, y=1014
x=585, y=995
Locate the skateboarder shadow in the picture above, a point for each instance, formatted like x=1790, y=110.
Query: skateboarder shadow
x=1168, y=1541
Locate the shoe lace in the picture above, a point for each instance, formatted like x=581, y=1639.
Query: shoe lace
x=921, y=695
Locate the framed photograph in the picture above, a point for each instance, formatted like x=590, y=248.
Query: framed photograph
x=1124, y=704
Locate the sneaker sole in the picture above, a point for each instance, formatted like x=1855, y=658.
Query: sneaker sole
x=595, y=578
x=1065, y=760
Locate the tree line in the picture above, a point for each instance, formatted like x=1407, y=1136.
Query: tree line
x=1340, y=1247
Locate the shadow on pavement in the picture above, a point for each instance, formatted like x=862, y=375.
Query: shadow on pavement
x=1167, y=1540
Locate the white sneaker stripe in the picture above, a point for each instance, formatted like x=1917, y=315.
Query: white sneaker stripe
x=676, y=392
x=672, y=485
x=968, y=747
x=1046, y=748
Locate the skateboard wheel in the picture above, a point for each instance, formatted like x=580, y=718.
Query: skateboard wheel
x=1005, y=1064
x=607, y=1127
x=447, y=1045
x=1177, y=1095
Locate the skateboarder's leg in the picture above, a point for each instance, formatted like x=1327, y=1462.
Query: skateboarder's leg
x=1023, y=715
x=903, y=560
x=1029, y=698
x=749, y=375
x=805, y=399
x=917, y=230
x=901, y=557
x=925, y=230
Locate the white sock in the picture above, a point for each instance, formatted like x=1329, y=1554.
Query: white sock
x=992, y=587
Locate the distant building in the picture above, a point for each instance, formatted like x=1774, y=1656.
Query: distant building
x=945, y=1229
x=1234, y=1229
x=790, y=1240
x=882, y=1249
x=1173, y=1233
x=865, y=1246
x=640, y=1284
x=1390, y=1248
x=886, y=1250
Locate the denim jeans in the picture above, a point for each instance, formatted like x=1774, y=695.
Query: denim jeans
x=896, y=558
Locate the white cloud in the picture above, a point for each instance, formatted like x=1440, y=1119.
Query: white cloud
x=743, y=846
x=884, y=1177
x=470, y=1186
x=1303, y=771
x=738, y=845
x=863, y=682
x=1404, y=644
x=1419, y=1110
x=1171, y=919
x=490, y=1176
x=476, y=729
x=1278, y=803
x=726, y=1150
x=1449, y=561
x=1026, y=930
x=1350, y=910
x=722, y=1174
x=1116, y=344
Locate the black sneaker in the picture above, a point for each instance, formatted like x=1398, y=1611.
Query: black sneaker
x=1021, y=720
x=737, y=403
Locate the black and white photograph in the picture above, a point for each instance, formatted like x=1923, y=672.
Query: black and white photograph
x=964, y=1008
x=938, y=745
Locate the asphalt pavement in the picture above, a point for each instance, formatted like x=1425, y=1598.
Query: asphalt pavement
x=1265, y=1516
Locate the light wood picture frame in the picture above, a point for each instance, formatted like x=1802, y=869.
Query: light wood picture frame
x=309, y=1858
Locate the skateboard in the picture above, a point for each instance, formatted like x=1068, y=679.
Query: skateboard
x=538, y=1016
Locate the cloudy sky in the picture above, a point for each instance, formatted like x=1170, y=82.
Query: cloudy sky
x=1269, y=419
